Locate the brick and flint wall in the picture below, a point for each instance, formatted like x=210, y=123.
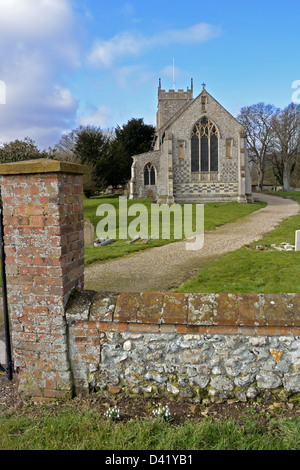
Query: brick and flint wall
x=212, y=346
x=43, y=235
x=67, y=340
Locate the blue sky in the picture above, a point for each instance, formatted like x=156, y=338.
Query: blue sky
x=70, y=62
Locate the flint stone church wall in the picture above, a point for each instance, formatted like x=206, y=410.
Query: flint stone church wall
x=140, y=161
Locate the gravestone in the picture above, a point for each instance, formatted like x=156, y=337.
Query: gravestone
x=89, y=233
x=150, y=193
x=297, y=240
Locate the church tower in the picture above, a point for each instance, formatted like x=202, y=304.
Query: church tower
x=170, y=102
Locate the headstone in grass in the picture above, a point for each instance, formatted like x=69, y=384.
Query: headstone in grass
x=109, y=241
x=297, y=240
x=89, y=233
x=134, y=240
x=103, y=242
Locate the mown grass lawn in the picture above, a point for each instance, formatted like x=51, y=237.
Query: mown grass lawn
x=71, y=429
x=215, y=214
x=248, y=270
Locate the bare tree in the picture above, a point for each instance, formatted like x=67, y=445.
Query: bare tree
x=286, y=126
x=257, y=121
x=86, y=145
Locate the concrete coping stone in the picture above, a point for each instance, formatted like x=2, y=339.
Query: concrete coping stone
x=41, y=165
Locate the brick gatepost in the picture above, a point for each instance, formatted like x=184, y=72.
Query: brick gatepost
x=44, y=249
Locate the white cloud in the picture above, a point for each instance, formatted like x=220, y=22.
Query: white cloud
x=38, y=44
x=62, y=99
x=124, y=44
x=194, y=34
x=97, y=117
x=33, y=18
x=105, y=53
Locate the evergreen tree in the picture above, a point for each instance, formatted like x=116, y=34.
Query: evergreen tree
x=132, y=138
x=19, y=150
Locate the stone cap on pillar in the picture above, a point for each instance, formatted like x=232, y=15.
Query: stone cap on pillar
x=41, y=165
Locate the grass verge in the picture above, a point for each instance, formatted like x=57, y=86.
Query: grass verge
x=71, y=428
x=248, y=270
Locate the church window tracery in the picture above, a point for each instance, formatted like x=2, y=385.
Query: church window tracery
x=204, y=147
x=149, y=175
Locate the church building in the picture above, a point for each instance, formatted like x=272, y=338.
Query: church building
x=199, y=153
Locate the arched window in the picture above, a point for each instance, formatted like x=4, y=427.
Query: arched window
x=204, y=147
x=149, y=175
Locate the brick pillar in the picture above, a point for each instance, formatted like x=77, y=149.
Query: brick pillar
x=43, y=235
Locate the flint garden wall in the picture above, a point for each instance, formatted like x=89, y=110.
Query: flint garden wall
x=68, y=341
x=185, y=345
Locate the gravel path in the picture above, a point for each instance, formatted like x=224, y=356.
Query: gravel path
x=166, y=267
